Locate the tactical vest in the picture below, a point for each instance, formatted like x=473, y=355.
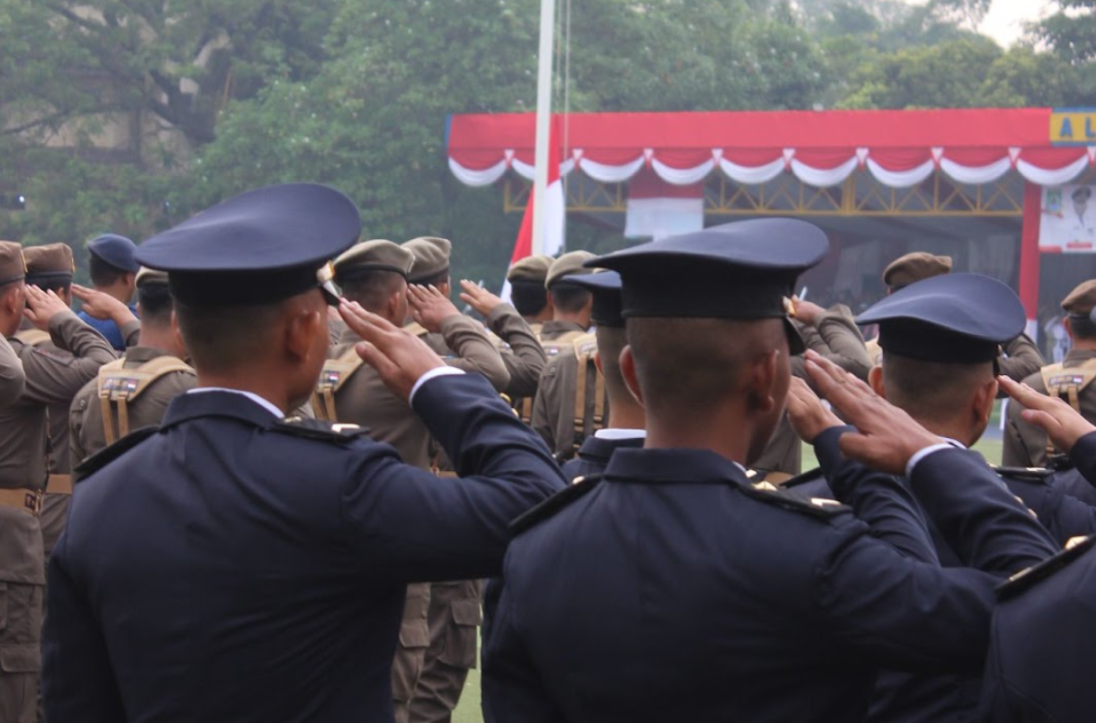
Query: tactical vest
x=336, y=372
x=1068, y=383
x=591, y=398
x=118, y=387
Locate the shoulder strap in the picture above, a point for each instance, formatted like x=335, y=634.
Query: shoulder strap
x=336, y=372
x=1067, y=383
x=588, y=383
x=114, y=451
x=1026, y=579
x=549, y=507
x=33, y=337
x=818, y=507
x=320, y=430
x=120, y=386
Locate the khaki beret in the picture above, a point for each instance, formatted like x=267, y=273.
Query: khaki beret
x=431, y=257
x=13, y=266
x=1081, y=300
x=374, y=255
x=147, y=276
x=914, y=267
x=530, y=268
x=52, y=262
x=569, y=264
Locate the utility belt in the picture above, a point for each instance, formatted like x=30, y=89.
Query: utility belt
x=59, y=484
x=21, y=498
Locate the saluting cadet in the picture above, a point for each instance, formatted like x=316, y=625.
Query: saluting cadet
x=1043, y=626
x=571, y=305
x=52, y=378
x=1026, y=445
x=528, y=292
x=679, y=591
x=374, y=275
x=237, y=565
x=50, y=268
x=439, y=323
x=113, y=269
x=941, y=340
x=625, y=425
x=514, y=337
x=134, y=391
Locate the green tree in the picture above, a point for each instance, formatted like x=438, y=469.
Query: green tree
x=1023, y=77
x=1071, y=31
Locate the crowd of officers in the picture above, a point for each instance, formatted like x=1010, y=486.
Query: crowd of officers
x=633, y=593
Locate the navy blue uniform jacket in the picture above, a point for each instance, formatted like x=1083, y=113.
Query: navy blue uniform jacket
x=231, y=569
x=594, y=455
x=680, y=592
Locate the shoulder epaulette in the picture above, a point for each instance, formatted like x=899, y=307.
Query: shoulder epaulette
x=1028, y=578
x=1026, y=474
x=802, y=479
x=547, y=509
x=101, y=459
x=319, y=429
x=819, y=507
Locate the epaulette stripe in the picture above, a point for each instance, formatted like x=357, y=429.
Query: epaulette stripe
x=102, y=458
x=549, y=507
x=808, y=476
x=819, y=507
x=320, y=429
x=1025, y=579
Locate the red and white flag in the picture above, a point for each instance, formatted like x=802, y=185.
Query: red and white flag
x=555, y=214
x=657, y=209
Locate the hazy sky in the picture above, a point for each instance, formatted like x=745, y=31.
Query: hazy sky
x=1005, y=18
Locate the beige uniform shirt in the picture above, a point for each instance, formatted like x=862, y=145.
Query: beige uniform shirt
x=12, y=378
x=1025, y=444
x=522, y=354
x=87, y=434
x=463, y=343
x=53, y=378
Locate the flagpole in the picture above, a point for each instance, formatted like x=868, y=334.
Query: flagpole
x=544, y=119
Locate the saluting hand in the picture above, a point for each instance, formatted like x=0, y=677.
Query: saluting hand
x=103, y=306
x=43, y=306
x=479, y=298
x=429, y=306
x=398, y=356
x=1062, y=423
x=886, y=437
x=808, y=416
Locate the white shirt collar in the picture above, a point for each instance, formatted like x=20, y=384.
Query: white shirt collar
x=621, y=434
x=954, y=442
x=250, y=395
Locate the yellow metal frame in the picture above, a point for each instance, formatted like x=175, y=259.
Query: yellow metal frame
x=860, y=195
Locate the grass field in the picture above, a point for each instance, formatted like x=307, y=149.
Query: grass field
x=469, y=709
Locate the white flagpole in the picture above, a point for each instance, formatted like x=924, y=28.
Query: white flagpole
x=544, y=119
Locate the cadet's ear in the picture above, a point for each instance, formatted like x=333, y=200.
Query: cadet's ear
x=875, y=381
x=984, y=400
x=304, y=323
x=628, y=371
x=762, y=387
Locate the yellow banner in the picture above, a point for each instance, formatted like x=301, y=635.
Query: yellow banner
x=1074, y=126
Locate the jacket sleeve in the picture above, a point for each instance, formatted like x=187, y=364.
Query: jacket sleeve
x=1023, y=359
x=430, y=528
x=55, y=379
x=844, y=343
x=475, y=352
x=546, y=406
x=981, y=520
x=12, y=378
x=878, y=499
x=526, y=359
x=77, y=678
x=1083, y=455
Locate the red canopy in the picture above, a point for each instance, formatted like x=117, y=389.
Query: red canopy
x=899, y=148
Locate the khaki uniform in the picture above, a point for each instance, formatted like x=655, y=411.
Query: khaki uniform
x=56, y=500
x=363, y=399
x=1025, y=444
x=51, y=378
x=1023, y=359
x=557, y=416
x=523, y=355
x=12, y=378
x=87, y=433
x=477, y=353
x=454, y=610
